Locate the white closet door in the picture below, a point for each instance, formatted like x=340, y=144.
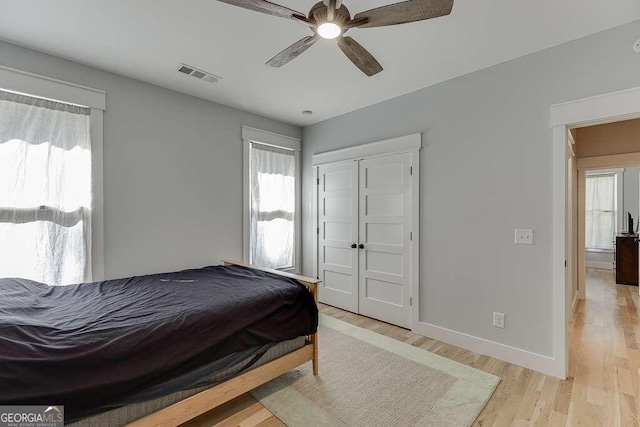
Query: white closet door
x=338, y=232
x=385, y=226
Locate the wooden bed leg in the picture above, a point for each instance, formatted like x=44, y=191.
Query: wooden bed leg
x=314, y=339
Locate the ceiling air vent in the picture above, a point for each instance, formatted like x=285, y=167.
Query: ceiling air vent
x=184, y=69
x=198, y=74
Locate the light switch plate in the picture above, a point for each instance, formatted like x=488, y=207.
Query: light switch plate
x=524, y=236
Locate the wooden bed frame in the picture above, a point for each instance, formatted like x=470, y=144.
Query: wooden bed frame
x=198, y=404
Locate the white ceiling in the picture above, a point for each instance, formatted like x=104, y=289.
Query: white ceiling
x=148, y=39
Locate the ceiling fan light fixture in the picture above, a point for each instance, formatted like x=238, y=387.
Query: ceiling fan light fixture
x=329, y=30
x=330, y=19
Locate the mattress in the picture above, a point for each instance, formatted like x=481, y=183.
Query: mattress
x=98, y=345
x=129, y=413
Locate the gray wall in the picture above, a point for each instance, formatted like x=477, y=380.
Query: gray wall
x=172, y=169
x=486, y=170
x=630, y=195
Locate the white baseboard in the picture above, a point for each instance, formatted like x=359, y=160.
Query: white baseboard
x=538, y=362
x=599, y=264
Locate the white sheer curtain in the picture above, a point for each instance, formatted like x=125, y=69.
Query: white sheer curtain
x=272, y=206
x=601, y=210
x=45, y=190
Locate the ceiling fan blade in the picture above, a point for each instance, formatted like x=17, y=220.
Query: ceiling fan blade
x=292, y=51
x=359, y=56
x=267, y=7
x=404, y=12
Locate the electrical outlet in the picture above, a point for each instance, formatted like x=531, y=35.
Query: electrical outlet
x=498, y=319
x=524, y=236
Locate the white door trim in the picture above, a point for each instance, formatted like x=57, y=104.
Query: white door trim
x=415, y=247
x=599, y=109
x=404, y=144
x=611, y=107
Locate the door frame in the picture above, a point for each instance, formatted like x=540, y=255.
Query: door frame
x=607, y=108
x=573, y=219
x=404, y=144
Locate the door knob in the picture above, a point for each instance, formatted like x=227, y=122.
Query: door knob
x=353, y=246
x=361, y=246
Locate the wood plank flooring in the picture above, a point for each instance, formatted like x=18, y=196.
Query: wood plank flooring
x=603, y=388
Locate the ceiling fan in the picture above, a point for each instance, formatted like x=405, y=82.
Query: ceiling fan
x=330, y=19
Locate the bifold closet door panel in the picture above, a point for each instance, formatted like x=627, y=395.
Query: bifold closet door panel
x=384, y=228
x=337, y=234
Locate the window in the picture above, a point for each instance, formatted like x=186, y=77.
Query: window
x=45, y=190
x=271, y=200
x=603, y=196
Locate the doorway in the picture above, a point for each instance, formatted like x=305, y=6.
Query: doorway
x=607, y=108
x=602, y=248
x=603, y=181
x=602, y=204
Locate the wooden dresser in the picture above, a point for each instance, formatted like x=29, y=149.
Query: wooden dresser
x=626, y=259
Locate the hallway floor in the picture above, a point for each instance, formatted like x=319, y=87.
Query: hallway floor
x=604, y=357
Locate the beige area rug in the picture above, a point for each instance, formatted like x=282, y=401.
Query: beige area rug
x=367, y=379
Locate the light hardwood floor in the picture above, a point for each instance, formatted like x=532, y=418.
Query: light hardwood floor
x=603, y=388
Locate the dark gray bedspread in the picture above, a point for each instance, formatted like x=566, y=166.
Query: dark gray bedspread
x=88, y=345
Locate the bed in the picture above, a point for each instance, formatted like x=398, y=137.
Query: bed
x=153, y=350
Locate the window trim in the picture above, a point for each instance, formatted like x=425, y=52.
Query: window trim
x=35, y=85
x=258, y=136
x=619, y=174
